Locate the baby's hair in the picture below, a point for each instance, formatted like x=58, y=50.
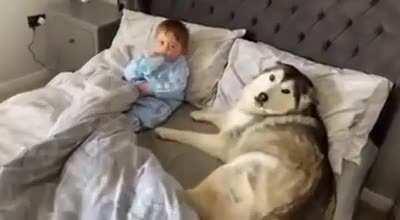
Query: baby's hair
x=178, y=29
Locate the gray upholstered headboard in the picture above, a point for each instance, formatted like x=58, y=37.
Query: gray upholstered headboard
x=356, y=34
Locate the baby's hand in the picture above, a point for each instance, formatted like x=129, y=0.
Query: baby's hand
x=153, y=62
x=143, y=88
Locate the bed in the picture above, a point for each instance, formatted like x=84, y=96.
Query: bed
x=360, y=35
x=67, y=152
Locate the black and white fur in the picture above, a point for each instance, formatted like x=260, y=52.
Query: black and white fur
x=270, y=143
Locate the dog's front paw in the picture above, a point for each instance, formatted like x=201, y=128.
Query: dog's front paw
x=197, y=115
x=165, y=133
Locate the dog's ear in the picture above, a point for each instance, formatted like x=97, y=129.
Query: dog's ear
x=310, y=91
x=313, y=96
x=279, y=63
x=307, y=99
x=305, y=93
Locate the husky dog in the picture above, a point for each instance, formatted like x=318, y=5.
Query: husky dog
x=270, y=144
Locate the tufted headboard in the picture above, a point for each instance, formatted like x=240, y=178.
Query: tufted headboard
x=357, y=34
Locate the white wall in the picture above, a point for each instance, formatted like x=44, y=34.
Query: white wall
x=15, y=60
x=18, y=71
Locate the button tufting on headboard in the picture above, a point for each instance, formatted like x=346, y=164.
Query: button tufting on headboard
x=326, y=45
x=211, y=9
x=355, y=51
x=300, y=37
x=349, y=23
x=320, y=16
x=379, y=30
x=277, y=28
x=293, y=9
x=232, y=15
x=269, y=3
x=373, y=2
x=254, y=21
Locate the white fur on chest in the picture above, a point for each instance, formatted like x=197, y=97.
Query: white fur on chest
x=234, y=119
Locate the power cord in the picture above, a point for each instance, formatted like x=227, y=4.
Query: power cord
x=33, y=52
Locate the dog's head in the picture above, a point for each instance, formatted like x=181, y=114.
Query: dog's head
x=278, y=91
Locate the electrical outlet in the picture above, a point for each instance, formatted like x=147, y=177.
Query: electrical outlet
x=33, y=20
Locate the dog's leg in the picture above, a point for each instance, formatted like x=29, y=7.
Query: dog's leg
x=242, y=190
x=215, y=118
x=212, y=144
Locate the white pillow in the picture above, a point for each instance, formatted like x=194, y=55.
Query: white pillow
x=208, y=50
x=349, y=101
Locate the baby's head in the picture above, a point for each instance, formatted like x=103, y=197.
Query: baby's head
x=172, y=38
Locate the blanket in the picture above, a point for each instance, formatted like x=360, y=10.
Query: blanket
x=68, y=152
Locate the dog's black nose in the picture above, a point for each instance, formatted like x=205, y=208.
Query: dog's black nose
x=262, y=97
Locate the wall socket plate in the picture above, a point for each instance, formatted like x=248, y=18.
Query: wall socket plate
x=33, y=20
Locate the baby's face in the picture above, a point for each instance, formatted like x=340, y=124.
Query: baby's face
x=168, y=45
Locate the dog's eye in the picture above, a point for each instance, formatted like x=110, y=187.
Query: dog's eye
x=271, y=77
x=285, y=91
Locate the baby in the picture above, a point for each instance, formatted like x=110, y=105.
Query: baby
x=161, y=76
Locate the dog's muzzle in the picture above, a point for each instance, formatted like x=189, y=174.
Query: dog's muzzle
x=261, y=98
